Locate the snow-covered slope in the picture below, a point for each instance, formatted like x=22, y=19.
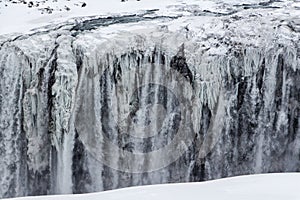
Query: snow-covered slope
x=255, y=187
x=24, y=15
x=18, y=17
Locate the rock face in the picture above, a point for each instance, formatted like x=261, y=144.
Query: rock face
x=115, y=102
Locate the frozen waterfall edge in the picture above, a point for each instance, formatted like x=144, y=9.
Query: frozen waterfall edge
x=67, y=102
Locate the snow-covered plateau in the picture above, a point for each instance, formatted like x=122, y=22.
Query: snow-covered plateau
x=107, y=95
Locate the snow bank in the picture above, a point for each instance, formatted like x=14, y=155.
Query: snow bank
x=18, y=17
x=24, y=15
x=253, y=187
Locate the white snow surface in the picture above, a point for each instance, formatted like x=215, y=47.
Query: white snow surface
x=280, y=186
x=19, y=18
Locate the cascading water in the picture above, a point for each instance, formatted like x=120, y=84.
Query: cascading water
x=92, y=108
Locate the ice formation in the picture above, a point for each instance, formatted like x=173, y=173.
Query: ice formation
x=105, y=103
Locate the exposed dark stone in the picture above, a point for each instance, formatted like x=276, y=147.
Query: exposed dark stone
x=260, y=75
x=117, y=72
x=242, y=86
x=53, y=68
x=38, y=182
x=279, y=81
x=95, y=23
x=80, y=176
x=178, y=62
x=40, y=77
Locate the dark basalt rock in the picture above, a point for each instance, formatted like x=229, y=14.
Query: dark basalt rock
x=178, y=62
x=80, y=175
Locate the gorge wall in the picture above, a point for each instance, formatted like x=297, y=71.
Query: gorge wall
x=122, y=101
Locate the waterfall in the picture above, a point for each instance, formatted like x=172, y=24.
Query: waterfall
x=91, y=108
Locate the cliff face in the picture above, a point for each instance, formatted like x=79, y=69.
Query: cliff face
x=132, y=100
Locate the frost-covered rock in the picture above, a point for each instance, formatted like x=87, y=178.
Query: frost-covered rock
x=110, y=102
